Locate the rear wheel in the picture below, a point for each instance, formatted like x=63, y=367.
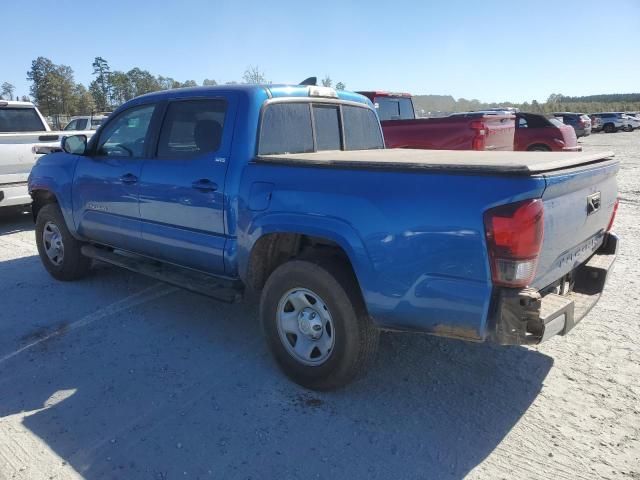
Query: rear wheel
x=316, y=324
x=539, y=148
x=59, y=251
x=609, y=128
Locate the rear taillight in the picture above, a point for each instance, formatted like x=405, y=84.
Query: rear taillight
x=480, y=138
x=613, y=215
x=514, y=236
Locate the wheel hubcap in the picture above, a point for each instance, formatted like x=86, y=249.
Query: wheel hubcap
x=52, y=241
x=305, y=326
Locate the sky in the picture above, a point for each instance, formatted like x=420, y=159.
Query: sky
x=491, y=50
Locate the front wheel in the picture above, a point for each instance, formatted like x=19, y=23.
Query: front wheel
x=316, y=324
x=59, y=251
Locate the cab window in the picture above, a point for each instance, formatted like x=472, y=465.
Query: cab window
x=125, y=136
x=394, y=108
x=312, y=127
x=192, y=127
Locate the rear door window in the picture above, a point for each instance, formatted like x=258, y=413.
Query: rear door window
x=20, y=120
x=192, y=127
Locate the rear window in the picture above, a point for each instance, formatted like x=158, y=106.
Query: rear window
x=394, y=108
x=536, y=121
x=555, y=122
x=286, y=128
x=327, y=123
x=361, y=129
x=311, y=127
x=20, y=120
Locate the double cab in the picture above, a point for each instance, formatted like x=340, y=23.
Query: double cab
x=288, y=195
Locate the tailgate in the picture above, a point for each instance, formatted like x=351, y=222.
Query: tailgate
x=500, y=132
x=17, y=154
x=578, y=204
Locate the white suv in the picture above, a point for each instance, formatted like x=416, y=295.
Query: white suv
x=611, y=121
x=631, y=122
x=85, y=122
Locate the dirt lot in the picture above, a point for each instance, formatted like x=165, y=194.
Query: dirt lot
x=118, y=376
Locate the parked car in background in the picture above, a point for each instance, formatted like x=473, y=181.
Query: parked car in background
x=464, y=132
x=630, y=123
x=611, y=121
x=86, y=122
x=287, y=192
x=596, y=123
x=538, y=133
x=580, y=122
x=23, y=130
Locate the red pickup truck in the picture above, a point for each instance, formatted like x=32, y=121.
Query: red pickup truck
x=402, y=129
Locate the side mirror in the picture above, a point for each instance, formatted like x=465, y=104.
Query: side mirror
x=75, y=144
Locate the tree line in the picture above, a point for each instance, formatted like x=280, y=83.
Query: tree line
x=54, y=90
x=434, y=104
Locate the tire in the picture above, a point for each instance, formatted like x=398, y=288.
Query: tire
x=609, y=128
x=51, y=229
x=538, y=148
x=347, y=341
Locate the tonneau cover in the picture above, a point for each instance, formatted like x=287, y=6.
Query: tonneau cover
x=488, y=162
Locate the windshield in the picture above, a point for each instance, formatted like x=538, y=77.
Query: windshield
x=394, y=108
x=312, y=127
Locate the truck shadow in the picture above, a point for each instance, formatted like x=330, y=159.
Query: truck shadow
x=184, y=384
x=15, y=219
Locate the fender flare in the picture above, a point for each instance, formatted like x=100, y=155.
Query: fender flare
x=334, y=229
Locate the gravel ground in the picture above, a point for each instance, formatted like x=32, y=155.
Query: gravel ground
x=118, y=376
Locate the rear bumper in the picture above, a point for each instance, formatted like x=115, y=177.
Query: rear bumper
x=13, y=194
x=527, y=317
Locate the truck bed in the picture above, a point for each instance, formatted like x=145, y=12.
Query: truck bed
x=455, y=161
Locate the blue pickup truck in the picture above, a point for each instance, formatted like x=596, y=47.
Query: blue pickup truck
x=287, y=194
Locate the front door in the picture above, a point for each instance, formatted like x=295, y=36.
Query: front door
x=182, y=186
x=105, y=190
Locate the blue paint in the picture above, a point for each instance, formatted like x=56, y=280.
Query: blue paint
x=415, y=239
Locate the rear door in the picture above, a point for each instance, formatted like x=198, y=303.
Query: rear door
x=182, y=189
x=106, y=182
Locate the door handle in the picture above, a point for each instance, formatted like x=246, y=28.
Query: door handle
x=205, y=185
x=128, y=178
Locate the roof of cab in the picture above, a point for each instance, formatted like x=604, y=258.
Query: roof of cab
x=15, y=104
x=273, y=91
